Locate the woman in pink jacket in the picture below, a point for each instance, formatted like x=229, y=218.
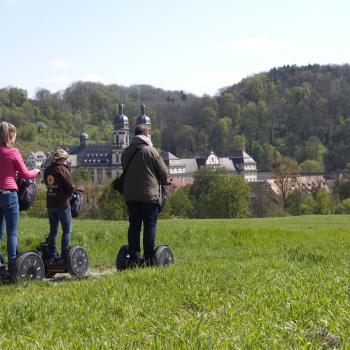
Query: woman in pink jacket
x=11, y=164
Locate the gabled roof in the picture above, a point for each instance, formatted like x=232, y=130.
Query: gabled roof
x=241, y=156
x=227, y=164
x=190, y=165
x=91, y=155
x=171, y=160
x=168, y=156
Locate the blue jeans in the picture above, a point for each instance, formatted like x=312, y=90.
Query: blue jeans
x=56, y=216
x=146, y=213
x=9, y=212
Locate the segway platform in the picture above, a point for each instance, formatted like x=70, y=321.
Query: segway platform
x=163, y=256
x=76, y=263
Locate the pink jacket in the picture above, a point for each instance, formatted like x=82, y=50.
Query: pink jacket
x=11, y=162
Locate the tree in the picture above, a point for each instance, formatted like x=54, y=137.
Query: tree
x=208, y=117
x=111, y=205
x=266, y=156
x=4, y=98
x=180, y=203
x=27, y=132
x=228, y=197
x=42, y=94
x=343, y=190
x=157, y=138
x=344, y=207
x=310, y=166
x=218, y=194
x=199, y=191
x=186, y=141
x=17, y=96
x=224, y=126
x=285, y=174
x=323, y=203
x=239, y=142
x=298, y=202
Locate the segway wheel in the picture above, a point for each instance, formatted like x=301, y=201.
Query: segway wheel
x=77, y=261
x=163, y=256
x=29, y=266
x=122, y=261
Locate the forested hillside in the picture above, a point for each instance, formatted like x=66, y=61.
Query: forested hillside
x=300, y=112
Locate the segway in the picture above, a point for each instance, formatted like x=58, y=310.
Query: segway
x=163, y=256
x=28, y=267
x=76, y=263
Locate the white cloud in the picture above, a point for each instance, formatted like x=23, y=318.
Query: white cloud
x=59, y=63
x=257, y=44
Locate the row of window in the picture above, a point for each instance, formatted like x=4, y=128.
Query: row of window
x=96, y=155
x=96, y=161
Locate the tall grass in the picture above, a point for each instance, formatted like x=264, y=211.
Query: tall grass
x=236, y=284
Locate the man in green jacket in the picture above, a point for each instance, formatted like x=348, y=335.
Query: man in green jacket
x=146, y=172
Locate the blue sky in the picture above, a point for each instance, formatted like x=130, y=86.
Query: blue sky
x=198, y=46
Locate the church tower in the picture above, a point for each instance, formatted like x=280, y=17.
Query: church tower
x=145, y=119
x=120, y=136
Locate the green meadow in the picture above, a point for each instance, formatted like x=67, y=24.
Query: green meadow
x=279, y=283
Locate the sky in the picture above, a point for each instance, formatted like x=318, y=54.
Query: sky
x=198, y=46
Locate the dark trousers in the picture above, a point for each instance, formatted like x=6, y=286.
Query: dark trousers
x=146, y=213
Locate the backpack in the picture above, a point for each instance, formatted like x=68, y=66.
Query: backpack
x=26, y=193
x=76, y=202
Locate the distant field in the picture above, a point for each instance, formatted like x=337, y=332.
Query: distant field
x=236, y=284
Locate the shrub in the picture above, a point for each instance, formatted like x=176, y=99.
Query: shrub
x=111, y=204
x=322, y=202
x=299, y=202
x=180, y=203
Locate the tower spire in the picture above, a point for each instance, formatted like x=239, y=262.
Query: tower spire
x=121, y=107
x=143, y=108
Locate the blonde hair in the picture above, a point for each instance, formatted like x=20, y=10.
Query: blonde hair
x=7, y=131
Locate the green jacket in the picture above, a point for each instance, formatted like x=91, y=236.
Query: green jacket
x=145, y=173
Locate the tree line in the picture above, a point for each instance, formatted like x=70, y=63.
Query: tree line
x=217, y=194
x=299, y=112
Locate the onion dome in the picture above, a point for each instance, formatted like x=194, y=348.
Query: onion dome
x=84, y=137
x=143, y=118
x=121, y=119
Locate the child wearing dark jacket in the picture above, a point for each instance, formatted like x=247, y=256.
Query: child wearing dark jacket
x=60, y=186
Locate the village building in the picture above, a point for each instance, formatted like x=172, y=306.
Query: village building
x=104, y=160
x=238, y=163
x=35, y=160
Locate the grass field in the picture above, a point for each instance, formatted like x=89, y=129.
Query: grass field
x=279, y=283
